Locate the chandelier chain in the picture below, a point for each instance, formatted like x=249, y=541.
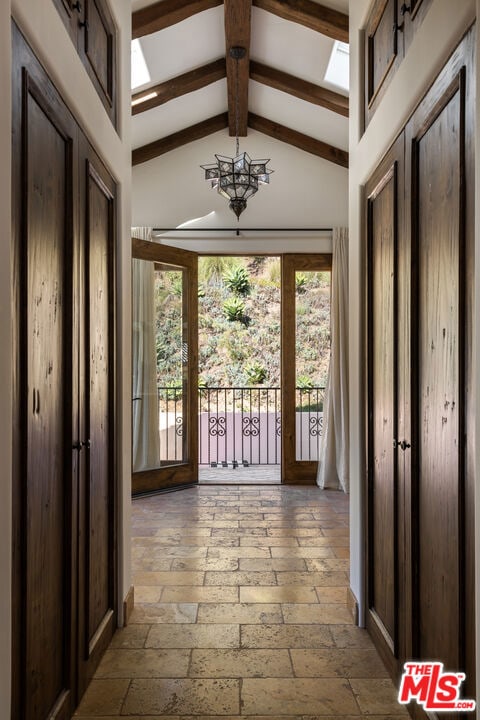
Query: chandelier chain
x=237, y=110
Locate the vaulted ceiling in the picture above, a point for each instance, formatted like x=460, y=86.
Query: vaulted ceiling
x=282, y=91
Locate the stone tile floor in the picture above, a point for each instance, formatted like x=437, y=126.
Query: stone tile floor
x=240, y=612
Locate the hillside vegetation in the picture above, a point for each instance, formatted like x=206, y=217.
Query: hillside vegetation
x=239, y=324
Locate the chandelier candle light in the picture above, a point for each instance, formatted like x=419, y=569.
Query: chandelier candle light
x=237, y=178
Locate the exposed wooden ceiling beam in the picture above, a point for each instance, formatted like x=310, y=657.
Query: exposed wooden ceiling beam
x=180, y=85
x=164, y=13
x=311, y=14
x=299, y=140
x=172, y=142
x=237, y=34
x=299, y=88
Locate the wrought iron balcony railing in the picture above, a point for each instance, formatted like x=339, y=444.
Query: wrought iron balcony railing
x=240, y=425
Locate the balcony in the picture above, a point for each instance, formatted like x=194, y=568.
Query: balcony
x=240, y=426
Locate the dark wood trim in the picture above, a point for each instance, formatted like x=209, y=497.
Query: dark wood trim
x=182, y=137
x=298, y=139
x=299, y=88
x=128, y=605
x=165, y=13
x=180, y=85
x=390, y=171
x=294, y=472
x=317, y=17
x=237, y=34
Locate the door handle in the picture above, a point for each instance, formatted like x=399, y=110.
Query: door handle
x=404, y=445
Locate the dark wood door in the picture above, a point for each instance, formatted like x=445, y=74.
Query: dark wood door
x=44, y=519
x=63, y=420
x=97, y=602
x=386, y=344
x=410, y=17
x=383, y=52
x=440, y=180
x=98, y=50
x=92, y=30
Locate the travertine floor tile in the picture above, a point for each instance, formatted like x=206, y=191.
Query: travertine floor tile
x=302, y=552
x=200, y=594
x=330, y=595
x=323, y=614
x=164, y=613
x=327, y=578
x=240, y=663
x=103, y=697
x=205, y=564
x=194, y=636
x=218, y=697
x=297, y=696
x=239, y=552
x=377, y=697
x=278, y=594
x=242, y=613
x=285, y=636
x=240, y=578
x=350, y=636
x=144, y=663
x=351, y=663
x=147, y=594
x=275, y=564
x=133, y=636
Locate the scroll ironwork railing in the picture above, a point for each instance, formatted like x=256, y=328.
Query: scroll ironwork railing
x=240, y=425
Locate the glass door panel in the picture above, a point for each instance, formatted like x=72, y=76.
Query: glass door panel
x=305, y=358
x=164, y=365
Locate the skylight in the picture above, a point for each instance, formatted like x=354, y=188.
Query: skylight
x=140, y=73
x=338, y=66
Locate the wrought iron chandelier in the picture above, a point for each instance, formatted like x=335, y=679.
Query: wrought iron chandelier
x=237, y=178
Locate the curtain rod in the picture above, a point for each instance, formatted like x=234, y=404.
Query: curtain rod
x=237, y=231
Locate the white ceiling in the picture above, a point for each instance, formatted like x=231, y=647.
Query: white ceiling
x=281, y=44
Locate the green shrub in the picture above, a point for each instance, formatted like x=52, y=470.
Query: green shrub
x=237, y=281
x=256, y=373
x=234, y=309
x=300, y=283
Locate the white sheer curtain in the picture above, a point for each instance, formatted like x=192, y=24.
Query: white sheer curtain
x=145, y=431
x=333, y=466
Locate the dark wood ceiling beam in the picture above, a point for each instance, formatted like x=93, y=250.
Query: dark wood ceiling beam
x=164, y=13
x=237, y=34
x=180, y=85
x=172, y=142
x=299, y=140
x=299, y=88
x=324, y=20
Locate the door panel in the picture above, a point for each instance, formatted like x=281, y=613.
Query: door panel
x=440, y=175
x=295, y=471
x=382, y=54
x=384, y=342
x=44, y=486
x=165, y=409
x=97, y=489
x=97, y=46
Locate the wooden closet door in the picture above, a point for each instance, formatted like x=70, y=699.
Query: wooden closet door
x=440, y=176
x=44, y=503
x=385, y=382
x=97, y=603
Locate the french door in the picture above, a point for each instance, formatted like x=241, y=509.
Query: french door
x=165, y=408
x=297, y=424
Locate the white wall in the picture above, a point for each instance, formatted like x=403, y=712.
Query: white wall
x=41, y=24
x=440, y=32
x=304, y=190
